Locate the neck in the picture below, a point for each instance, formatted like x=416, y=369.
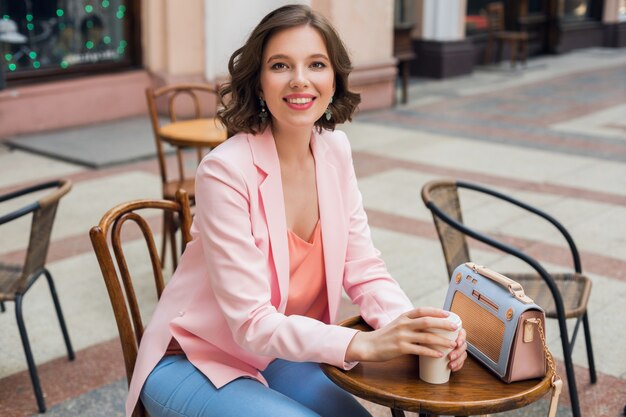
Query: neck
x=292, y=145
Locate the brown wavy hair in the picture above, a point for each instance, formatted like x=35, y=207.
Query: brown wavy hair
x=240, y=96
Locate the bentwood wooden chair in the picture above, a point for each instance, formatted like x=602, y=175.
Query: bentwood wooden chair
x=186, y=108
x=16, y=280
x=122, y=285
x=561, y=295
x=497, y=35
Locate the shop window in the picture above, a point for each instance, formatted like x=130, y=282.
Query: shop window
x=577, y=10
x=404, y=12
x=476, y=17
x=48, y=38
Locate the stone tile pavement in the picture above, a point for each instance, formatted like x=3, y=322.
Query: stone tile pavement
x=553, y=134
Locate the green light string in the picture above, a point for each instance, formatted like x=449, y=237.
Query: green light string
x=120, y=14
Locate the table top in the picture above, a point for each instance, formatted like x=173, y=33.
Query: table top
x=194, y=133
x=472, y=390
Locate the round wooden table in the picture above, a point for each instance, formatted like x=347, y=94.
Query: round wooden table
x=473, y=390
x=194, y=133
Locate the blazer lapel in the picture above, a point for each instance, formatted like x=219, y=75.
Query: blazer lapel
x=334, y=228
x=271, y=193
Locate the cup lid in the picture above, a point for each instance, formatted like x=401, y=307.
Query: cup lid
x=454, y=318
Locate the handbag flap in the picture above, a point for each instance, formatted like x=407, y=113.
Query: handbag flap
x=490, y=315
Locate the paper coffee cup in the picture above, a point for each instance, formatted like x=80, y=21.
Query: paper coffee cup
x=436, y=370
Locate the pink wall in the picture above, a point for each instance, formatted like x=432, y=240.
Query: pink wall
x=56, y=105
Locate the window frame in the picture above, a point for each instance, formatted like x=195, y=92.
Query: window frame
x=132, y=60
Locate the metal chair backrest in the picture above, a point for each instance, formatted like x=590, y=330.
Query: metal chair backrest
x=44, y=212
x=173, y=97
x=122, y=286
x=444, y=195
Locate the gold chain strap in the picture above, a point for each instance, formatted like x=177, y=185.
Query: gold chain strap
x=556, y=382
x=549, y=357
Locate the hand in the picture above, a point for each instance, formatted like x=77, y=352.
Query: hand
x=459, y=353
x=408, y=334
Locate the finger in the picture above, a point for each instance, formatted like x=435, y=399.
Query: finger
x=426, y=311
x=422, y=350
x=426, y=323
x=432, y=339
x=456, y=365
x=461, y=338
x=458, y=351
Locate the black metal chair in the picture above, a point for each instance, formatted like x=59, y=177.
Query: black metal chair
x=561, y=295
x=16, y=280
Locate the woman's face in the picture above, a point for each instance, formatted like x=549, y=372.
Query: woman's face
x=297, y=79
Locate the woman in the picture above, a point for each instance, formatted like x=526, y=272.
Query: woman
x=279, y=230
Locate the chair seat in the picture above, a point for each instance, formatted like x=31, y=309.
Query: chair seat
x=170, y=188
x=574, y=288
x=9, y=281
x=512, y=36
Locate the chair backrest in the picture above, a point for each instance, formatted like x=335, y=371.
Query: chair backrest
x=179, y=101
x=44, y=212
x=495, y=16
x=443, y=195
x=121, y=285
x=442, y=199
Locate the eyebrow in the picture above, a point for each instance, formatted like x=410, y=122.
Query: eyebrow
x=282, y=56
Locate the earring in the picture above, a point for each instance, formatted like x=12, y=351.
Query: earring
x=328, y=113
x=263, y=112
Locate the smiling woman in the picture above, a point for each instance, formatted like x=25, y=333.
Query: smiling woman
x=297, y=79
x=279, y=232
x=242, y=95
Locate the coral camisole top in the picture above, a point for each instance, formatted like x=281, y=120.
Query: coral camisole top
x=307, y=277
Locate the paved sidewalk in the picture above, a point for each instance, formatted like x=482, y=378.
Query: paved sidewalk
x=553, y=134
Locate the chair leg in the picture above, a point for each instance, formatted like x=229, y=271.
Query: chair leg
x=396, y=412
x=57, y=307
x=513, y=47
x=569, y=368
x=489, y=51
x=2, y=307
x=572, y=340
x=32, y=369
x=590, y=360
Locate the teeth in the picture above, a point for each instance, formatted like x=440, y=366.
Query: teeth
x=300, y=100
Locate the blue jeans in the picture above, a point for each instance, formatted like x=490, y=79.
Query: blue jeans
x=175, y=388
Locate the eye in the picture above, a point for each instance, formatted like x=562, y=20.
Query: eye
x=278, y=66
x=318, y=65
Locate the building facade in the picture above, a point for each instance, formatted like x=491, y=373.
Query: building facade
x=74, y=62
x=450, y=36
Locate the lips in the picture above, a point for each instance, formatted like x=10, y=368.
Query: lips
x=299, y=101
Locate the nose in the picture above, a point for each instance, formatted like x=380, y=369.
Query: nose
x=298, y=79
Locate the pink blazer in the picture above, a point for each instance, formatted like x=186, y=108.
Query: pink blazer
x=225, y=302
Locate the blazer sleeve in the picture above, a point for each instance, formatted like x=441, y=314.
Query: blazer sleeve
x=239, y=276
x=366, y=279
